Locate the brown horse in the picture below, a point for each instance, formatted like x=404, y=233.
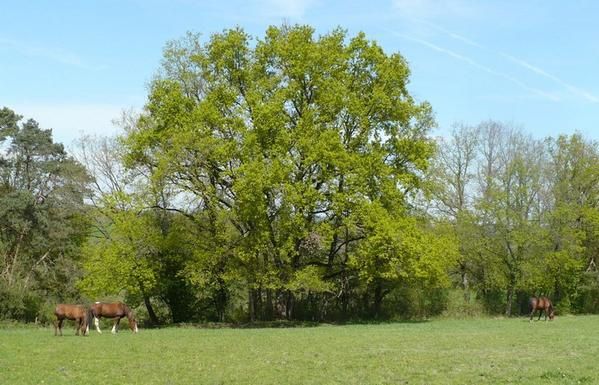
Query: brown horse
x=541, y=304
x=115, y=310
x=77, y=313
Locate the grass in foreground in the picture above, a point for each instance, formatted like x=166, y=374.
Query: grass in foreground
x=484, y=351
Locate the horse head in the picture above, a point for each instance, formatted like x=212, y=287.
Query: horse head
x=132, y=321
x=133, y=325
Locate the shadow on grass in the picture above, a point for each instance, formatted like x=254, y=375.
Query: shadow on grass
x=281, y=324
x=70, y=335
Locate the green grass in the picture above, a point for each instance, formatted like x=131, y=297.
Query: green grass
x=482, y=351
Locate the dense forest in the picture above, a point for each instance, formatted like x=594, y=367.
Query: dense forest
x=294, y=177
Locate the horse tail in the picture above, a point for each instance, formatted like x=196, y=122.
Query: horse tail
x=90, y=317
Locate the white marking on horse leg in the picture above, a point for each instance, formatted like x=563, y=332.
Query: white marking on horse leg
x=87, y=329
x=114, y=329
x=97, y=323
x=136, y=328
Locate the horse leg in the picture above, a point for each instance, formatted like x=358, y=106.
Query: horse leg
x=540, y=314
x=60, y=326
x=56, y=327
x=77, y=326
x=97, y=323
x=115, y=325
x=82, y=326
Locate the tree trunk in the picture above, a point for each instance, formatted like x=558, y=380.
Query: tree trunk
x=289, y=305
x=510, y=300
x=269, y=308
x=259, y=304
x=251, y=305
x=465, y=283
x=153, y=318
x=222, y=300
x=378, y=300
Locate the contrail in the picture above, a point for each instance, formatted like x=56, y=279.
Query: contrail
x=522, y=63
x=478, y=65
x=575, y=90
x=451, y=34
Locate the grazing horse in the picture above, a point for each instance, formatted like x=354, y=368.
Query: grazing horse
x=541, y=304
x=115, y=310
x=77, y=313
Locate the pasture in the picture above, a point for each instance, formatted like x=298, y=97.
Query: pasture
x=481, y=351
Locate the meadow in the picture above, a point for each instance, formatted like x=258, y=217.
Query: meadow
x=475, y=351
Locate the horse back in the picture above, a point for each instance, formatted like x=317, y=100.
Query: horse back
x=546, y=302
x=116, y=309
x=69, y=311
x=533, y=303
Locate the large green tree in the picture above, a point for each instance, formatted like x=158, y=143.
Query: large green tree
x=288, y=148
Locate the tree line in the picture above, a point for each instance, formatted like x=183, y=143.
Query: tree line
x=294, y=177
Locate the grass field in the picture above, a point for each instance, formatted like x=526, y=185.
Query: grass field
x=482, y=351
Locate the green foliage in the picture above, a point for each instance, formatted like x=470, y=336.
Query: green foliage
x=415, y=302
x=18, y=302
x=586, y=299
x=42, y=217
x=309, y=279
x=120, y=262
x=462, y=304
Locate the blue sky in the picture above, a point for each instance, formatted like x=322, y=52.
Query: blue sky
x=75, y=65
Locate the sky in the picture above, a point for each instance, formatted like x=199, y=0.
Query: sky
x=74, y=66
